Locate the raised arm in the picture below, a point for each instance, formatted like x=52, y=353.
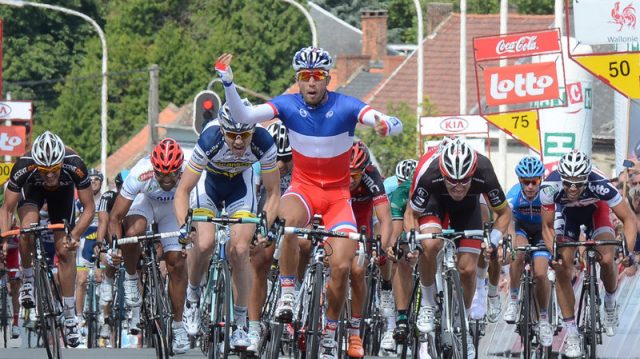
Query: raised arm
x=383, y=124
x=240, y=112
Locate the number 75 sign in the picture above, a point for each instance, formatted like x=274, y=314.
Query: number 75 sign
x=523, y=126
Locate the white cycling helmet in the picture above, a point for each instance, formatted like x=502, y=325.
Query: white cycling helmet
x=405, y=168
x=458, y=160
x=574, y=164
x=47, y=150
x=281, y=138
x=312, y=58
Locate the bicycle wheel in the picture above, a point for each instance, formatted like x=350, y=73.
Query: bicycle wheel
x=525, y=316
x=455, y=316
x=313, y=331
x=91, y=316
x=4, y=312
x=372, y=323
x=592, y=321
x=153, y=315
x=118, y=313
x=273, y=336
x=413, y=309
x=220, y=326
x=47, y=315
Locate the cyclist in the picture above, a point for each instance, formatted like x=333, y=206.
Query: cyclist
x=105, y=205
x=367, y=195
x=577, y=194
x=524, y=199
x=321, y=124
x=84, y=255
x=10, y=259
x=226, y=152
x=50, y=171
x=262, y=257
x=147, y=197
x=396, y=326
x=450, y=188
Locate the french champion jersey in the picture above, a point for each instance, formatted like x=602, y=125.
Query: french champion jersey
x=598, y=188
x=321, y=137
x=524, y=211
x=214, y=155
x=141, y=180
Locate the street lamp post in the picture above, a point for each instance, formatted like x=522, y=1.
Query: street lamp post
x=314, y=34
x=419, y=90
x=103, y=105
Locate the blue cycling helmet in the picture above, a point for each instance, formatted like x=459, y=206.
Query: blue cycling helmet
x=312, y=58
x=529, y=166
x=229, y=124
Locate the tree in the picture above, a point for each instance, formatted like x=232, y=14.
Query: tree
x=390, y=150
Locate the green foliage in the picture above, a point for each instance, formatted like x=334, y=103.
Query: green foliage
x=390, y=150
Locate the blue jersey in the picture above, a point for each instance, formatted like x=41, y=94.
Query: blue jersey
x=598, y=188
x=524, y=211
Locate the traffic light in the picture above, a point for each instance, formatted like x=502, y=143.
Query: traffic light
x=205, y=108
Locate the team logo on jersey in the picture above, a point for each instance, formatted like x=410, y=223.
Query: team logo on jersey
x=600, y=189
x=329, y=114
x=422, y=193
x=79, y=172
x=549, y=190
x=303, y=112
x=145, y=176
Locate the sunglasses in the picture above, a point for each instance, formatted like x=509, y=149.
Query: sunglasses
x=455, y=182
x=530, y=181
x=569, y=184
x=233, y=135
x=356, y=175
x=317, y=75
x=170, y=174
x=50, y=169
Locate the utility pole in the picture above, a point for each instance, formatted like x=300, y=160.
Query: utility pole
x=154, y=76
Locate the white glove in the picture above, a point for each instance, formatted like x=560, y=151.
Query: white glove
x=224, y=71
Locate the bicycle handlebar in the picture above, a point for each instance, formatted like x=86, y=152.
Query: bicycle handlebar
x=137, y=239
x=33, y=229
x=359, y=237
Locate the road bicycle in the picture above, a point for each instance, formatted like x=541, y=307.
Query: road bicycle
x=588, y=318
x=47, y=296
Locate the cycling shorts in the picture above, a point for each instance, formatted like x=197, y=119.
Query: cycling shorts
x=443, y=212
x=160, y=212
x=533, y=234
x=85, y=256
x=334, y=204
x=12, y=263
x=61, y=202
x=363, y=212
x=595, y=217
x=236, y=194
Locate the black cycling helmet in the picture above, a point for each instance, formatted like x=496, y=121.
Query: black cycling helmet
x=120, y=177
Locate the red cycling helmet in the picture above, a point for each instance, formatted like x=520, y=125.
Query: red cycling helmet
x=360, y=158
x=167, y=156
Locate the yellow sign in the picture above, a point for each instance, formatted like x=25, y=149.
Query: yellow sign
x=620, y=71
x=523, y=126
x=5, y=171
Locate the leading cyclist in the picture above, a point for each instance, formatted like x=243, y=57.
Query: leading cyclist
x=50, y=172
x=576, y=194
x=321, y=126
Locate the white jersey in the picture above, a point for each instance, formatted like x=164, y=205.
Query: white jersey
x=141, y=180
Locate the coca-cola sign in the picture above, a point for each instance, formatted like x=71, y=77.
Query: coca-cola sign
x=516, y=45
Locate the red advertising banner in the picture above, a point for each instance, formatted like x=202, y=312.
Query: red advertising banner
x=519, y=84
x=12, y=140
x=516, y=45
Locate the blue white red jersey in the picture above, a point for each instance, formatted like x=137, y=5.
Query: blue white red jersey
x=524, y=211
x=598, y=188
x=321, y=137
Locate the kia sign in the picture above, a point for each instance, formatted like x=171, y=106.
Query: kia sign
x=16, y=110
x=12, y=140
x=599, y=22
x=516, y=45
x=520, y=84
x=452, y=125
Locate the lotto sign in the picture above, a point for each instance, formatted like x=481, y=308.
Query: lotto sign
x=5, y=171
x=519, y=84
x=620, y=71
x=523, y=126
x=12, y=140
x=516, y=45
x=599, y=22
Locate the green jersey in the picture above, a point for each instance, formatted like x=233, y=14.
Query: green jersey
x=399, y=199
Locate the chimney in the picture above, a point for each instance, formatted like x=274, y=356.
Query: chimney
x=436, y=14
x=374, y=34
